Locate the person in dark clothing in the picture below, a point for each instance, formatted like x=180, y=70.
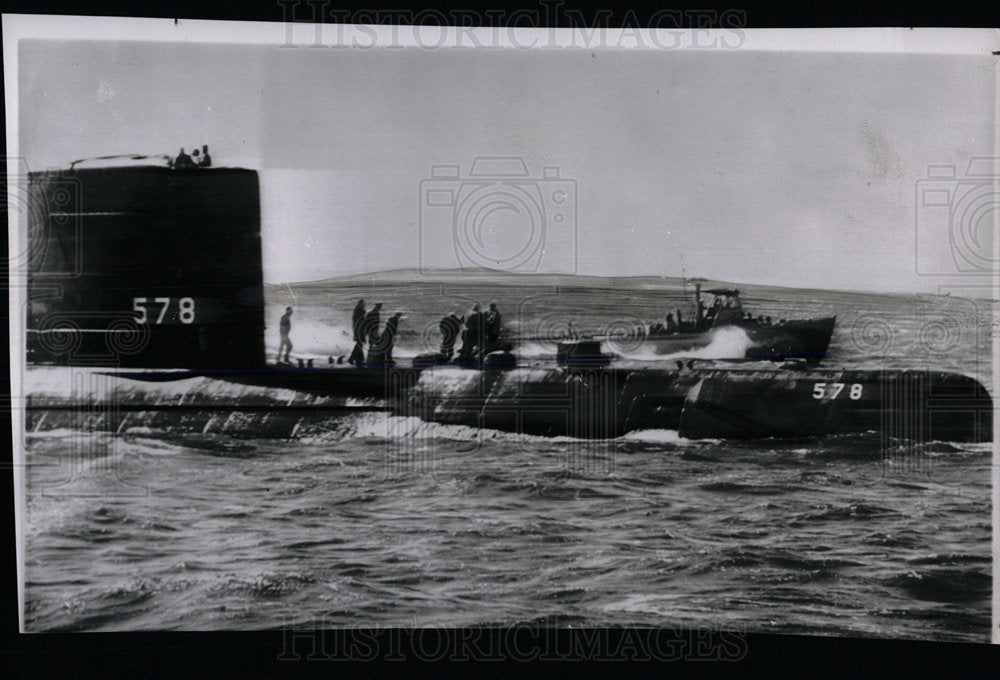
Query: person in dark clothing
x=670, y=326
x=195, y=158
x=713, y=311
x=183, y=160
x=473, y=340
x=371, y=323
x=285, y=328
x=206, y=160
x=388, y=338
x=358, y=329
x=357, y=321
x=369, y=331
x=450, y=327
x=494, y=323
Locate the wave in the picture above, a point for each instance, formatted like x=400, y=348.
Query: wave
x=265, y=584
x=535, y=350
x=846, y=512
x=751, y=489
x=161, y=433
x=730, y=342
x=725, y=343
x=656, y=437
x=949, y=559
x=944, y=585
x=63, y=433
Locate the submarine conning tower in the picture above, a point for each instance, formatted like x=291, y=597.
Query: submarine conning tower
x=133, y=263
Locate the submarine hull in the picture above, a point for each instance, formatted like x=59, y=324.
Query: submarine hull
x=710, y=402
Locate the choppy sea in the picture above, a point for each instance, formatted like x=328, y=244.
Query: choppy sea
x=388, y=521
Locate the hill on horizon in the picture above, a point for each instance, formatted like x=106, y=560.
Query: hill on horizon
x=482, y=275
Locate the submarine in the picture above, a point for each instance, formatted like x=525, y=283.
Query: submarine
x=145, y=306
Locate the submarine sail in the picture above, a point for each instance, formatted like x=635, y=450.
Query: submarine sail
x=145, y=266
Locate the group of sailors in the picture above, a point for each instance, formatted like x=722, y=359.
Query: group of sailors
x=763, y=320
x=195, y=160
x=366, y=331
x=479, y=333
x=725, y=311
x=365, y=326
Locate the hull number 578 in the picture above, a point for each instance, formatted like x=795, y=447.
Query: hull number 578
x=833, y=390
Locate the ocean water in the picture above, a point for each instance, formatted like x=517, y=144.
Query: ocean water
x=389, y=521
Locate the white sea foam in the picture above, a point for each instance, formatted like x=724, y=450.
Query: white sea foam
x=655, y=437
x=532, y=350
x=312, y=338
x=58, y=433
x=730, y=342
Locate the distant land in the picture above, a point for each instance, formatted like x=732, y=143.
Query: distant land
x=482, y=275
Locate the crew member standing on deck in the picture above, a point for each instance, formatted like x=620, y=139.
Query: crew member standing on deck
x=389, y=337
x=370, y=331
x=494, y=323
x=358, y=329
x=206, y=160
x=450, y=327
x=473, y=340
x=285, y=328
x=183, y=160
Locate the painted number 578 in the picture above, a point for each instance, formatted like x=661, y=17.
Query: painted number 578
x=185, y=309
x=833, y=390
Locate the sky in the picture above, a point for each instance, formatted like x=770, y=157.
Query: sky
x=785, y=168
